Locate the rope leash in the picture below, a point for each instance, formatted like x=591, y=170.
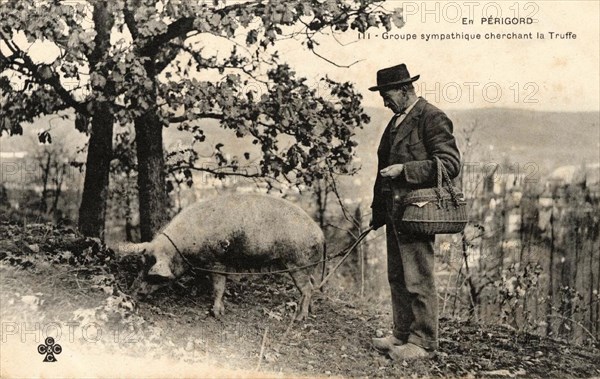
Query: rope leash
x=345, y=251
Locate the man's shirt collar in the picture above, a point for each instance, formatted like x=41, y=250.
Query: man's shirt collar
x=409, y=108
x=399, y=117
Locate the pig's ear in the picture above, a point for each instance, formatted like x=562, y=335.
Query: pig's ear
x=144, y=248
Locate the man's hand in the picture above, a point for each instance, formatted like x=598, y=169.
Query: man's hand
x=392, y=171
x=376, y=225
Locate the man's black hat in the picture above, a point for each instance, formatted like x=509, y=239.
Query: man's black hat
x=393, y=77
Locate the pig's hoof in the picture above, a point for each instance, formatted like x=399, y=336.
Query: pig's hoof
x=218, y=310
x=301, y=316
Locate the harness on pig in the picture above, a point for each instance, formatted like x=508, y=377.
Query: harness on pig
x=346, y=252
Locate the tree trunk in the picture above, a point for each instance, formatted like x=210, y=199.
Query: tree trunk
x=59, y=177
x=151, y=162
x=598, y=304
x=43, y=207
x=92, y=212
x=151, y=176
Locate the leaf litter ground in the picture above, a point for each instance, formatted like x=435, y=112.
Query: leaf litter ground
x=50, y=275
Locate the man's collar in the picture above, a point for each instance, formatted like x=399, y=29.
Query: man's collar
x=409, y=108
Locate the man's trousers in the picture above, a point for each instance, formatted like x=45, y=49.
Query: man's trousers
x=411, y=277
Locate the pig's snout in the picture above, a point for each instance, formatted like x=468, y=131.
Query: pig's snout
x=160, y=272
x=157, y=269
x=156, y=274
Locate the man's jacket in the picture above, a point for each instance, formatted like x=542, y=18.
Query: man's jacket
x=425, y=133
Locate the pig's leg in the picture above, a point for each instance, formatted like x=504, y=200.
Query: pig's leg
x=302, y=281
x=218, y=291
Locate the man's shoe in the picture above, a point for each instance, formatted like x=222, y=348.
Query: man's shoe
x=407, y=352
x=384, y=344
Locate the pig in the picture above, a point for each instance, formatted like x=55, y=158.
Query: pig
x=236, y=233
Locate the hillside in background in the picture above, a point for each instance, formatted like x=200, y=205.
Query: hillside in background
x=549, y=139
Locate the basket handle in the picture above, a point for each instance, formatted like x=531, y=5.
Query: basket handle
x=442, y=175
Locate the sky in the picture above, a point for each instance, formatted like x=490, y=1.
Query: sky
x=543, y=75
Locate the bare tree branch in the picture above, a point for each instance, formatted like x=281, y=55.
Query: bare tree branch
x=224, y=170
x=345, y=212
x=311, y=47
x=180, y=119
x=332, y=62
x=334, y=35
x=204, y=63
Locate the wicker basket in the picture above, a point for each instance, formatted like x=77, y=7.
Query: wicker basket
x=445, y=211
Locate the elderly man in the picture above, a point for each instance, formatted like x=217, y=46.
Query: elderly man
x=416, y=134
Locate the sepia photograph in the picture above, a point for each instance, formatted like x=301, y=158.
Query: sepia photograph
x=299, y=189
